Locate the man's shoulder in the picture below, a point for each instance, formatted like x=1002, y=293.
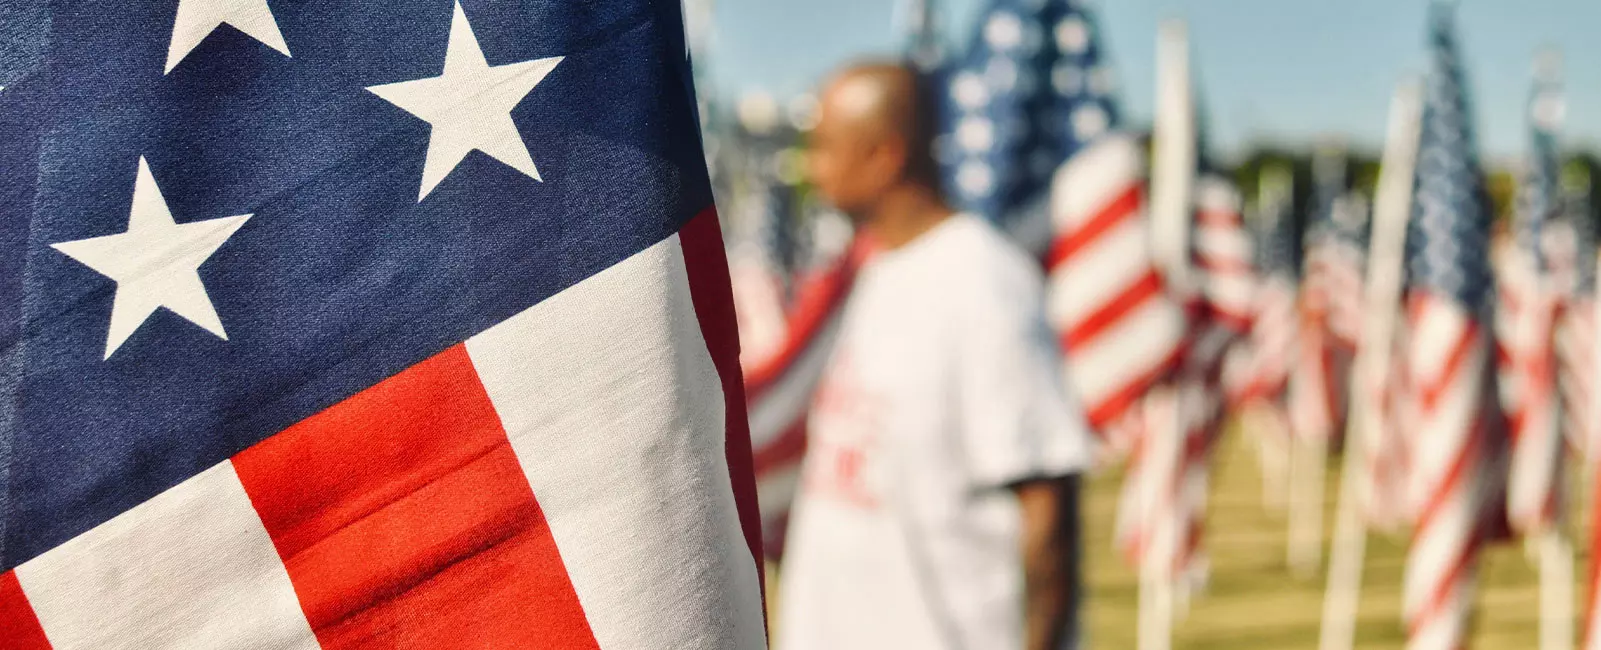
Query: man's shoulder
x=987, y=256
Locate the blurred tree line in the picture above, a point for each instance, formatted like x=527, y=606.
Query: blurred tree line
x=1362, y=172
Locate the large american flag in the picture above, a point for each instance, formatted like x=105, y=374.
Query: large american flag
x=1119, y=329
x=1457, y=439
x=303, y=349
x=1532, y=300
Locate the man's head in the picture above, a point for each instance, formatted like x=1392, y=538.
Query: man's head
x=872, y=136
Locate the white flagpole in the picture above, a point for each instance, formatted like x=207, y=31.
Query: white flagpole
x=1392, y=207
x=1173, y=156
x=1173, y=168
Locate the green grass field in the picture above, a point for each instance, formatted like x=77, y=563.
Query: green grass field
x=1253, y=602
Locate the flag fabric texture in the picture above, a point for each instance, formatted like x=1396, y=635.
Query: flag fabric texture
x=302, y=349
x=1530, y=304
x=1457, y=449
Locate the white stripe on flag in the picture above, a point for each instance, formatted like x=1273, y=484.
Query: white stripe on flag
x=191, y=568
x=1093, y=178
x=1120, y=357
x=1074, y=298
x=612, y=404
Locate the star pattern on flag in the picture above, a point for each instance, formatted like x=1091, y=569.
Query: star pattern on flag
x=197, y=19
x=1029, y=92
x=469, y=106
x=155, y=263
x=1448, y=240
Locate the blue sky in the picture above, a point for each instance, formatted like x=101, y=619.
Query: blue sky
x=1287, y=71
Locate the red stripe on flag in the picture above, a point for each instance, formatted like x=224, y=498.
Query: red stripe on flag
x=1146, y=288
x=1455, y=474
x=1430, y=393
x=19, y=626
x=1442, y=589
x=709, y=290
x=404, y=519
x=1109, y=216
x=1116, y=404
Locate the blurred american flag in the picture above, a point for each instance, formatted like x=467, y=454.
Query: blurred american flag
x=1457, y=447
x=1531, y=300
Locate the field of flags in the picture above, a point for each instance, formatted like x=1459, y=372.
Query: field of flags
x=1406, y=350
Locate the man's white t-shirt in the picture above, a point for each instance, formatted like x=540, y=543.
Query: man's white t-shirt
x=943, y=390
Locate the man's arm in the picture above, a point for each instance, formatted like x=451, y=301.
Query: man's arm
x=1050, y=549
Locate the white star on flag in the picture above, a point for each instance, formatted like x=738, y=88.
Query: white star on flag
x=198, y=18
x=155, y=263
x=469, y=105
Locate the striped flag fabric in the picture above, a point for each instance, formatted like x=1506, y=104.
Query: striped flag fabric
x=1031, y=141
x=1163, y=504
x=1119, y=328
x=1457, y=450
x=1178, y=418
x=1224, y=259
x=304, y=350
x=1224, y=254
x=1531, y=301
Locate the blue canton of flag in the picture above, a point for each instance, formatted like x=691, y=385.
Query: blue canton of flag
x=1030, y=91
x=365, y=324
x=1448, y=236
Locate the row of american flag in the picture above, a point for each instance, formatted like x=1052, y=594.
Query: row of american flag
x=1180, y=311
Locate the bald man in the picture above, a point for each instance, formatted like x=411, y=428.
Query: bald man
x=938, y=501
